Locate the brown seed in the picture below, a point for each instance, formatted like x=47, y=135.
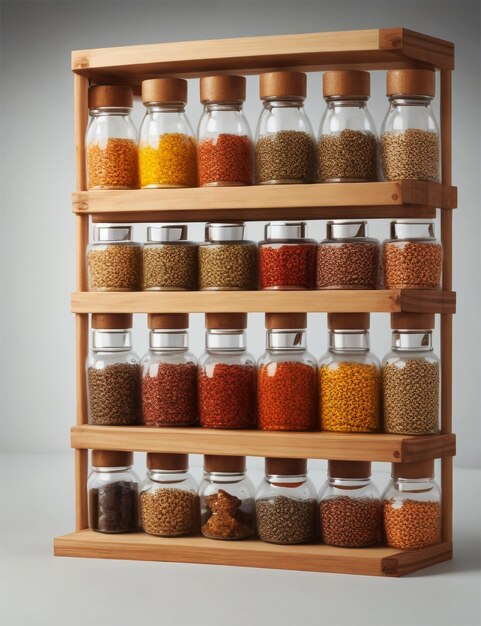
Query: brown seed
x=228, y=266
x=116, y=267
x=169, y=512
x=169, y=267
x=114, y=394
x=350, y=522
x=412, y=524
x=347, y=265
x=412, y=264
x=350, y=155
x=286, y=520
x=287, y=156
x=410, y=153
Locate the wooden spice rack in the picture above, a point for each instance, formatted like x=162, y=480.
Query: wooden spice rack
x=364, y=49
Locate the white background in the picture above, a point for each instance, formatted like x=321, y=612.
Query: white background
x=37, y=356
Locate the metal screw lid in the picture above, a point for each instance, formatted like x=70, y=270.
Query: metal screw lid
x=346, y=230
x=167, y=232
x=285, y=230
x=112, y=340
x=411, y=229
x=349, y=340
x=113, y=233
x=225, y=231
x=171, y=340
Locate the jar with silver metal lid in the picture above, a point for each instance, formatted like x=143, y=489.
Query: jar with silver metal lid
x=347, y=258
x=287, y=259
x=227, y=261
x=169, y=261
x=412, y=258
x=114, y=261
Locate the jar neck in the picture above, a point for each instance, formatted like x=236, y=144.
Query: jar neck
x=400, y=100
x=225, y=340
x=111, y=470
x=415, y=340
x=102, y=111
x=165, y=107
x=412, y=230
x=291, y=482
x=348, y=483
x=414, y=484
x=348, y=341
x=286, y=340
x=168, y=340
x=223, y=106
x=167, y=476
x=111, y=340
x=224, y=477
x=335, y=101
x=281, y=103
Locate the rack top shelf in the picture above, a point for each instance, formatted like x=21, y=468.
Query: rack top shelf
x=365, y=49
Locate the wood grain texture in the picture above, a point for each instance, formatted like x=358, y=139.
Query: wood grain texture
x=81, y=504
x=374, y=561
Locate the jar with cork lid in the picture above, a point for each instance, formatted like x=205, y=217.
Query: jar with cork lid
x=169, y=503
x=411, y=377
x=350, y=513
x=169, y=373
x=227, y=498
x=284, y=145
x=286, y=503
x=412, y=507
x=286, y=376
x=347, y=146
x=113, y=372
x=169, y=260
x=410, y=132
x=349, y=377
x=114, y=261
x=225, y=153
x=167, y=147
x=227, y=374
x=113, y=492
x=347, y=258
x=111, y=139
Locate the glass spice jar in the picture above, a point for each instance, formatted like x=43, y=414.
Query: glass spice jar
x=284, y=146
x=350, y=511
x=287, y=259
x=226, y=498
x=347, y=258
x=169, y=373
x=412, y=258
x=347, y=147
x=286, y=376
x=410, y=133
x=412, y=507
x=227, y=375
x=111, y=139
x=114, y=261
x=167, y=147
x=349, y=377
x=169, y=502
x=224, y=152
x=286, y=503
x=169, y=261
x=113, y=492
x=227, y=261
x=113, y=373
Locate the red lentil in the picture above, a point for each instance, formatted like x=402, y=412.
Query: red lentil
x=225, y=161
x=287, y=266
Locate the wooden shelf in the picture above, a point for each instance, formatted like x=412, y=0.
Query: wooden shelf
x=363, y=49
x=335, y=301
x=311, y=445
x=374, y=561
x=385, y=200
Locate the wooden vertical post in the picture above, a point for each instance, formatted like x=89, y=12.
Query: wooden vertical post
x=446, y=319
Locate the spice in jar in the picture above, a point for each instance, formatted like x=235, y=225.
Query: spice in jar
x=113, y=508
x=113, y=164
x=225, y=519
x=171, y=163
x=350, y=522
x=286, y=520
x=349, y=155
x=286, y=156
x=114, y=394
x=412, y=524
x=168, y=512
x=169, y=395
x=411, y=153
x=226, y=160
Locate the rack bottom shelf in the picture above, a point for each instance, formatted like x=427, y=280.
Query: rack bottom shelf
x=375, y=561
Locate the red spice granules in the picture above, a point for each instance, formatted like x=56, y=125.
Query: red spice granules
x=287, y=266
x=169, y=394
x=227, y=396
x=286, y=396
x=227, y=160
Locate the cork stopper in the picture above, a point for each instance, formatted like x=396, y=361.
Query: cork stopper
x=411, y=82
x=412, y=321
x=286, y=321
x=222, y=88
x=120, y=96
x=228, y=464
x=348, y=321
x=282, y=85
x=421, y=469
x=346, y=84
x=164, y=90
x=169, y=321
x=167, y=461
x=111, y=458
x=226, y=321
x=285, y=467
x=112, y=321
x=349, y=469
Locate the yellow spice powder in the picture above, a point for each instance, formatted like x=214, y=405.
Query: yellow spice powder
x=349, y=397
x=172, y=163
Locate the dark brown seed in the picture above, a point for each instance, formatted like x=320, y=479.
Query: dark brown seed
x=350, y=522
x=114, y=394
x=287, y=156
x=350, y=155
x=286, y=520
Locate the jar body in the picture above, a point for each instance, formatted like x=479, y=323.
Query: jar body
x=114, y=266
x=412, y=513
x=227, y=265
x=286, y=510
x=347, y=146
x=351, y=263
x=169, y=504
x=410, y=140
x=113, y=494
x=169, y=388
x=169, y=266
x=167, y=148
x=287, y=264
x=284, y=145
x=224, y=151
x=350, y=513
x=111, y=144
x=412, y=264
x=227, y=506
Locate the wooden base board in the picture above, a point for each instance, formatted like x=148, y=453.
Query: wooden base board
x=375, y=561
